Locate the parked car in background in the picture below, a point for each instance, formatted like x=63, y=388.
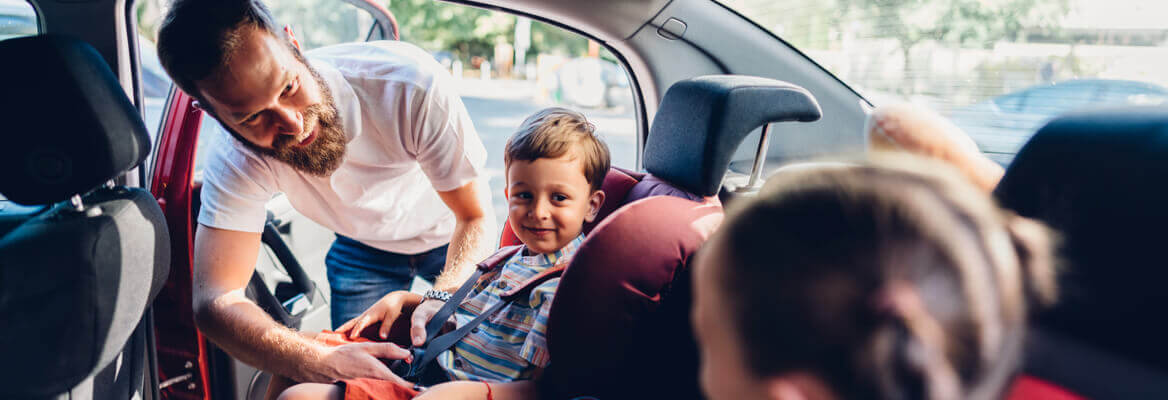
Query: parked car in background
x=1002, y=124
x=592, y=82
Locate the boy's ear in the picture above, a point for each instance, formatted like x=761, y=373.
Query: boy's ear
x=594, y=202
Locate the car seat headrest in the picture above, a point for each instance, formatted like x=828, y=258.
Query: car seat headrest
x=69, y=126
x=702, y=121
x=1098, y=178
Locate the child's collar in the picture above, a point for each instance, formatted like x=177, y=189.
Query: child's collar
x=554, y=257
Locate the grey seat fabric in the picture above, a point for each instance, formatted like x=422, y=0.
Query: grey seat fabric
x=75, y=281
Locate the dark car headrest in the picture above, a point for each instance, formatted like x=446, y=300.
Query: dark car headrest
x=1099, y=178
x=702, y=121
x=68, y=125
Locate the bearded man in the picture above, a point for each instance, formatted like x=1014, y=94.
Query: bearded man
x=367, y=139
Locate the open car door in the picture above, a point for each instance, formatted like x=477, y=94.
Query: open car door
x=289, y=280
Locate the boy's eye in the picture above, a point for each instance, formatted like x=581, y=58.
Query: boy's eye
x=559, y=197
x=522, y=196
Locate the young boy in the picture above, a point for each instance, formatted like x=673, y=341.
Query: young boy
x=555, y=166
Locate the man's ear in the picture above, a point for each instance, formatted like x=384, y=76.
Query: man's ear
x=292, y=36
x=594, y=202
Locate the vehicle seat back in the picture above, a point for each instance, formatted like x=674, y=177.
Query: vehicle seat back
x=1099, y=179
x=619, y=324
x=75, y=280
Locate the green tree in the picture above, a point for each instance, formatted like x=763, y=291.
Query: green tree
x=958, y=22
x=467, y=31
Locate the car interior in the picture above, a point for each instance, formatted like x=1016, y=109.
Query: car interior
x=82, y=263
x=98, y=218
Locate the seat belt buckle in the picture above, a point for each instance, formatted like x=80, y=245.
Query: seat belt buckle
x=410, y=371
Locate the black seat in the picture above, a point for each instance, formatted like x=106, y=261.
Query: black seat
x=1100, y=179
x=77, y=278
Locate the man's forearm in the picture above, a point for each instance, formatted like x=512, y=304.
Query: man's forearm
x=247, y=333
x=469, y=244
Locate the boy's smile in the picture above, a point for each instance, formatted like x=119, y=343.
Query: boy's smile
x=549, y=200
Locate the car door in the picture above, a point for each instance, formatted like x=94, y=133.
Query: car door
x=289, y=281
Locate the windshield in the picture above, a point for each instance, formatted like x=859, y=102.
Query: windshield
x=998, y=68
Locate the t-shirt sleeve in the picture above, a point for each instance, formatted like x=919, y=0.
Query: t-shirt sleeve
x=236, y=187
x=447, y=146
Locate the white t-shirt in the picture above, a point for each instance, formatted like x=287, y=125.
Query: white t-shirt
x=408, y=136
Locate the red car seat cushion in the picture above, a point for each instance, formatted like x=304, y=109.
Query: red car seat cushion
x=611, y=321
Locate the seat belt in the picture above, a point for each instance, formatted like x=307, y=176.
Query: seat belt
x=435, y=344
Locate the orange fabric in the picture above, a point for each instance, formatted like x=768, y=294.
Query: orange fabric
x=366, y=389
x=1031, y=388
x=375, y=389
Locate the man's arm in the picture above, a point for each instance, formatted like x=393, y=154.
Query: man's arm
x=224, y=261
x=469, y=244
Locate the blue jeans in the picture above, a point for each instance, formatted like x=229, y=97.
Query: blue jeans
x=359, y=275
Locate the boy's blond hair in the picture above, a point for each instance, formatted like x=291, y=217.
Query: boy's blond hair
x=553, y=132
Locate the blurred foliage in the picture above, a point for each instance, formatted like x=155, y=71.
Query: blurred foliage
x=961, y=22
x=828, y=24
x=468, y=32
x=316, y=23
x=463, y=31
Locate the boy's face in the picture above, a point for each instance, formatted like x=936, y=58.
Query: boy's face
x=549, y=200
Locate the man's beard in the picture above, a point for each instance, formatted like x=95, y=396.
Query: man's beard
x=327, y=150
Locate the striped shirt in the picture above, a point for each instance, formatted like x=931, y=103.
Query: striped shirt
x=510, y=345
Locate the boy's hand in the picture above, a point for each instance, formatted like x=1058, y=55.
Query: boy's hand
x=386, y=310
x=421, y=316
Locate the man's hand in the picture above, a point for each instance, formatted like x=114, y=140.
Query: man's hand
x=362, y=360
x=386, y=310
x=223, y=262
x=422, y=315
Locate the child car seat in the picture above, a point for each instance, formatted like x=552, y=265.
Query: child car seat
x=619, y=324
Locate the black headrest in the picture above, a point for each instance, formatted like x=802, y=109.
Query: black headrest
x=68, y=125
x=702, y=121
x=1101, y=178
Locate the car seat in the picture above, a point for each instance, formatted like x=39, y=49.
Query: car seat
x=77, y=277
x=1099, y=178
x=619, y=325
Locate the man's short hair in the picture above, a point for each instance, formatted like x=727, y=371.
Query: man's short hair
x=199, y=36
x=553, y=132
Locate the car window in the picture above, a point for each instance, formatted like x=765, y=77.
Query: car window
x=17, y=18
x=506, y=68
x=1000, y=69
